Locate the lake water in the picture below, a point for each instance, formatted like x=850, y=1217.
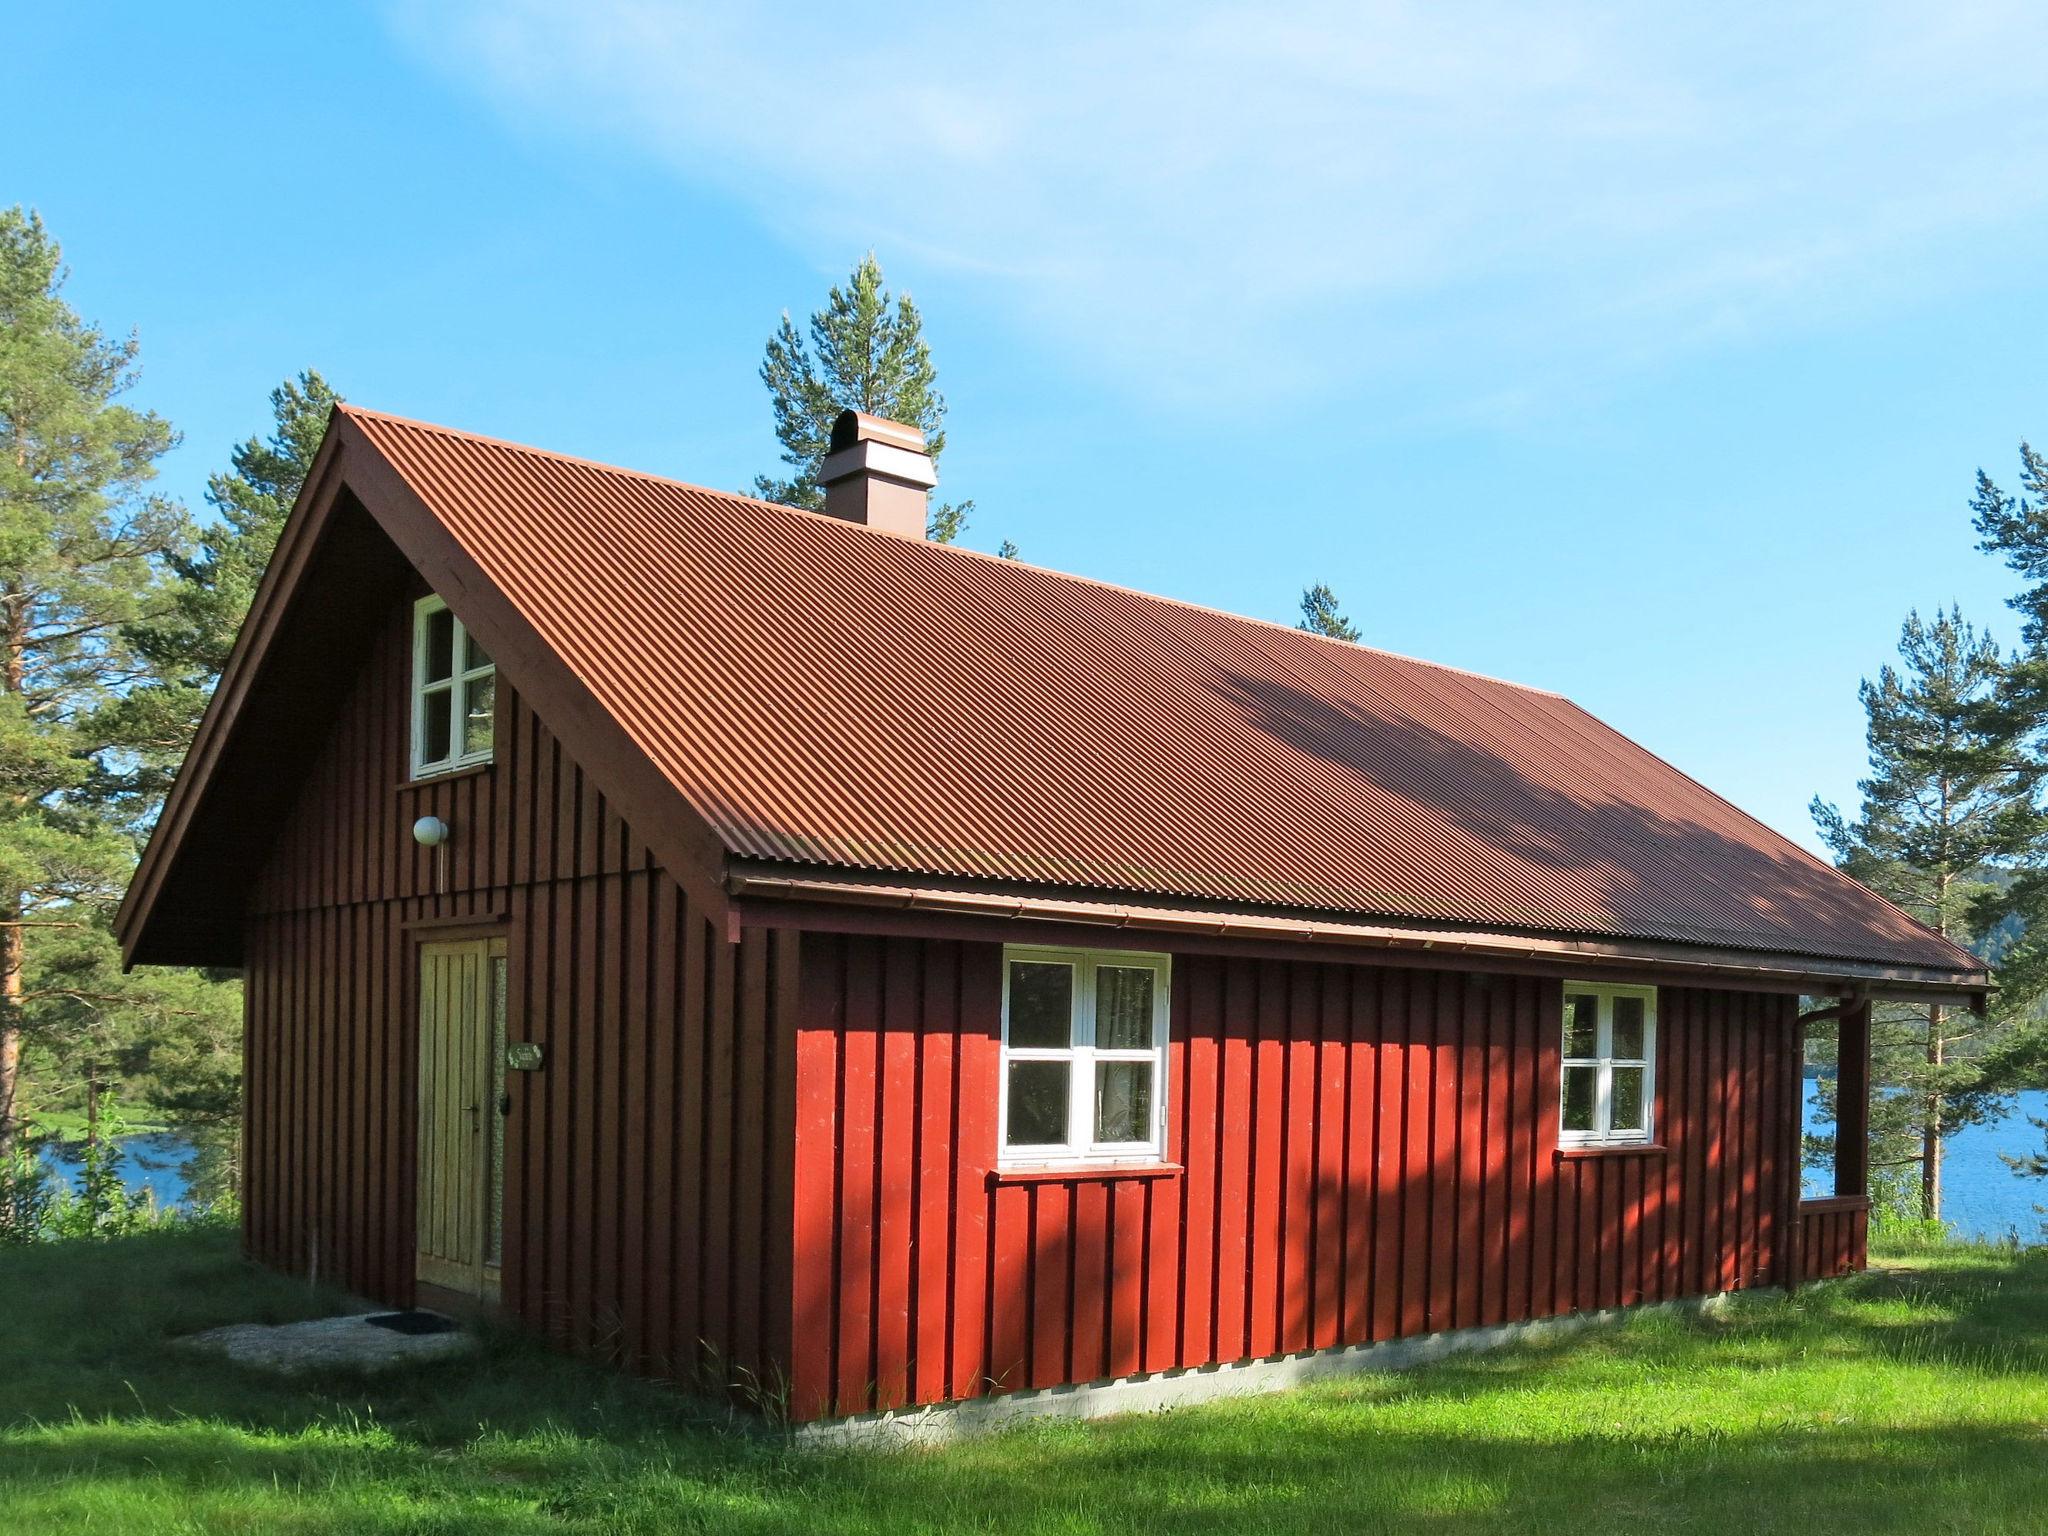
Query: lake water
x=1984, y=1197
x=1981, y=1196
x=153, y=1162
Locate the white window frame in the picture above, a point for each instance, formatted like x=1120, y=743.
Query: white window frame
x=457, y=686
x=1083, y=1055
x=1605, y=1061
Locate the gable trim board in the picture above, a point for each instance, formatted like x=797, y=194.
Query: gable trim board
x=346, y=461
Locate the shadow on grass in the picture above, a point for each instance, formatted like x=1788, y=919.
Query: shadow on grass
x=90, y=1331
x=1811, y=1416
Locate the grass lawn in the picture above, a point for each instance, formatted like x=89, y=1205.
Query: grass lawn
x=69, y=1125
x=1913, y=1399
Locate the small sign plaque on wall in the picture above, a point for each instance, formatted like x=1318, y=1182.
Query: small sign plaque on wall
x=522, y=1056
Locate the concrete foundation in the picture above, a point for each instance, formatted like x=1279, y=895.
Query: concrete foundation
x=1155, y=1391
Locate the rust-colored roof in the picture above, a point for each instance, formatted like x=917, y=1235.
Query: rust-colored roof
x=828, y=696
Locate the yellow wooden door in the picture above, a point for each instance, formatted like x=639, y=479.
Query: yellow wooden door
x=461, y=1131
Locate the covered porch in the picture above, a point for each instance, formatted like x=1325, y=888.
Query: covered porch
x=1833, y=1231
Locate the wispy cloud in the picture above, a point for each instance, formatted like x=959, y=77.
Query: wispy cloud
x=1470, y=200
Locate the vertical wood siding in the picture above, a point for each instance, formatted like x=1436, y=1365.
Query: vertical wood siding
x=1366, y=1153
x=646, y=1179
x=1834, y=1237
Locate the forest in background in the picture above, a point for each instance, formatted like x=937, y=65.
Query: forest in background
x=118, y=611
x=119, y=607
x=1952, y=827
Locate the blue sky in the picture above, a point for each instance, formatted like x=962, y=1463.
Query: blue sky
x=1643, y=353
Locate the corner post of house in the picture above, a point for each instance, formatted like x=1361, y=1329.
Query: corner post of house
x=1852, y=1100
x=1791, y=1247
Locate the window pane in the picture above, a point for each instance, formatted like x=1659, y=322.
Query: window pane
x=1123, y=1101
x=474, y=649
x=440, y=658
x=434, y=725
x=1038, y=1103
x=1628, y=1029
x=481, y=694
x=1579, y=1084
x=1041, y=1004
x=1581, y=1025
x=1628, y=1099
x=1123, y=1008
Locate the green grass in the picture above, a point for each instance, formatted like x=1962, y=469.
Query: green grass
x=1913, y=1399
x=69, y=1125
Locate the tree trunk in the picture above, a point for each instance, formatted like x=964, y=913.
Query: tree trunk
x=10, y=1026
x=1930, y=1133
x=13, y=678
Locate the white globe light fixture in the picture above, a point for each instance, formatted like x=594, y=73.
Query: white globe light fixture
x=430, y=831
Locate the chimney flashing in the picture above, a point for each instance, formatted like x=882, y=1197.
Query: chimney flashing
x=878, y=474
x=879, y=458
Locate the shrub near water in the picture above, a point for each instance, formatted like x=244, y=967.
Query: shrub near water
x=37, y=1206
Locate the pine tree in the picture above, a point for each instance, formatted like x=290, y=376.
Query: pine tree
x=253, y=496
x=866, y=353
x=215, y=581
x=2015, y=527
x=1320, y=615
x=83, y=547
x=1950, y=799
x=174, y=1041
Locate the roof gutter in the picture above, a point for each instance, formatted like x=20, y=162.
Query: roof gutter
x=1817, y=975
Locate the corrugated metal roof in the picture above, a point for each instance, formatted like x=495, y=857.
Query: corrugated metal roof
x=826, y=695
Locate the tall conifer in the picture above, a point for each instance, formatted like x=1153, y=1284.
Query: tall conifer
x=1320, y=614
x=1950, y=799
x=83, y=553
x=866, y=352
x=2015, y=527
x=215, y=579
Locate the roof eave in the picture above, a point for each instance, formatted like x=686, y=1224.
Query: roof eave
x=789, y=887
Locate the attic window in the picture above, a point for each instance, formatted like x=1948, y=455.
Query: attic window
x=454, y=692
x=1609, y=1085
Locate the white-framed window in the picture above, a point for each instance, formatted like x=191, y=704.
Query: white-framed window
x=1609, y=1090
x=454, y=692
x=1084, y=1056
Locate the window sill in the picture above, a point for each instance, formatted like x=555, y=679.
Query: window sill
x=423, y=781
x=1053, y=1173
x=1615, y=1149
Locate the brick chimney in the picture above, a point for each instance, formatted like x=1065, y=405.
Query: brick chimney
x=878, y=474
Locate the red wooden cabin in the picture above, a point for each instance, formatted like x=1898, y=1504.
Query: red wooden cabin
x=797, y=958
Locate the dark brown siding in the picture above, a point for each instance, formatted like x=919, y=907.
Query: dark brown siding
x=646, y=1165
x=1367, y=1153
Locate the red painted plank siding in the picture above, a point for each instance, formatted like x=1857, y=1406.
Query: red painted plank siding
x=1834, y=1237
x=1416, y=1117
x=648, y=1165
